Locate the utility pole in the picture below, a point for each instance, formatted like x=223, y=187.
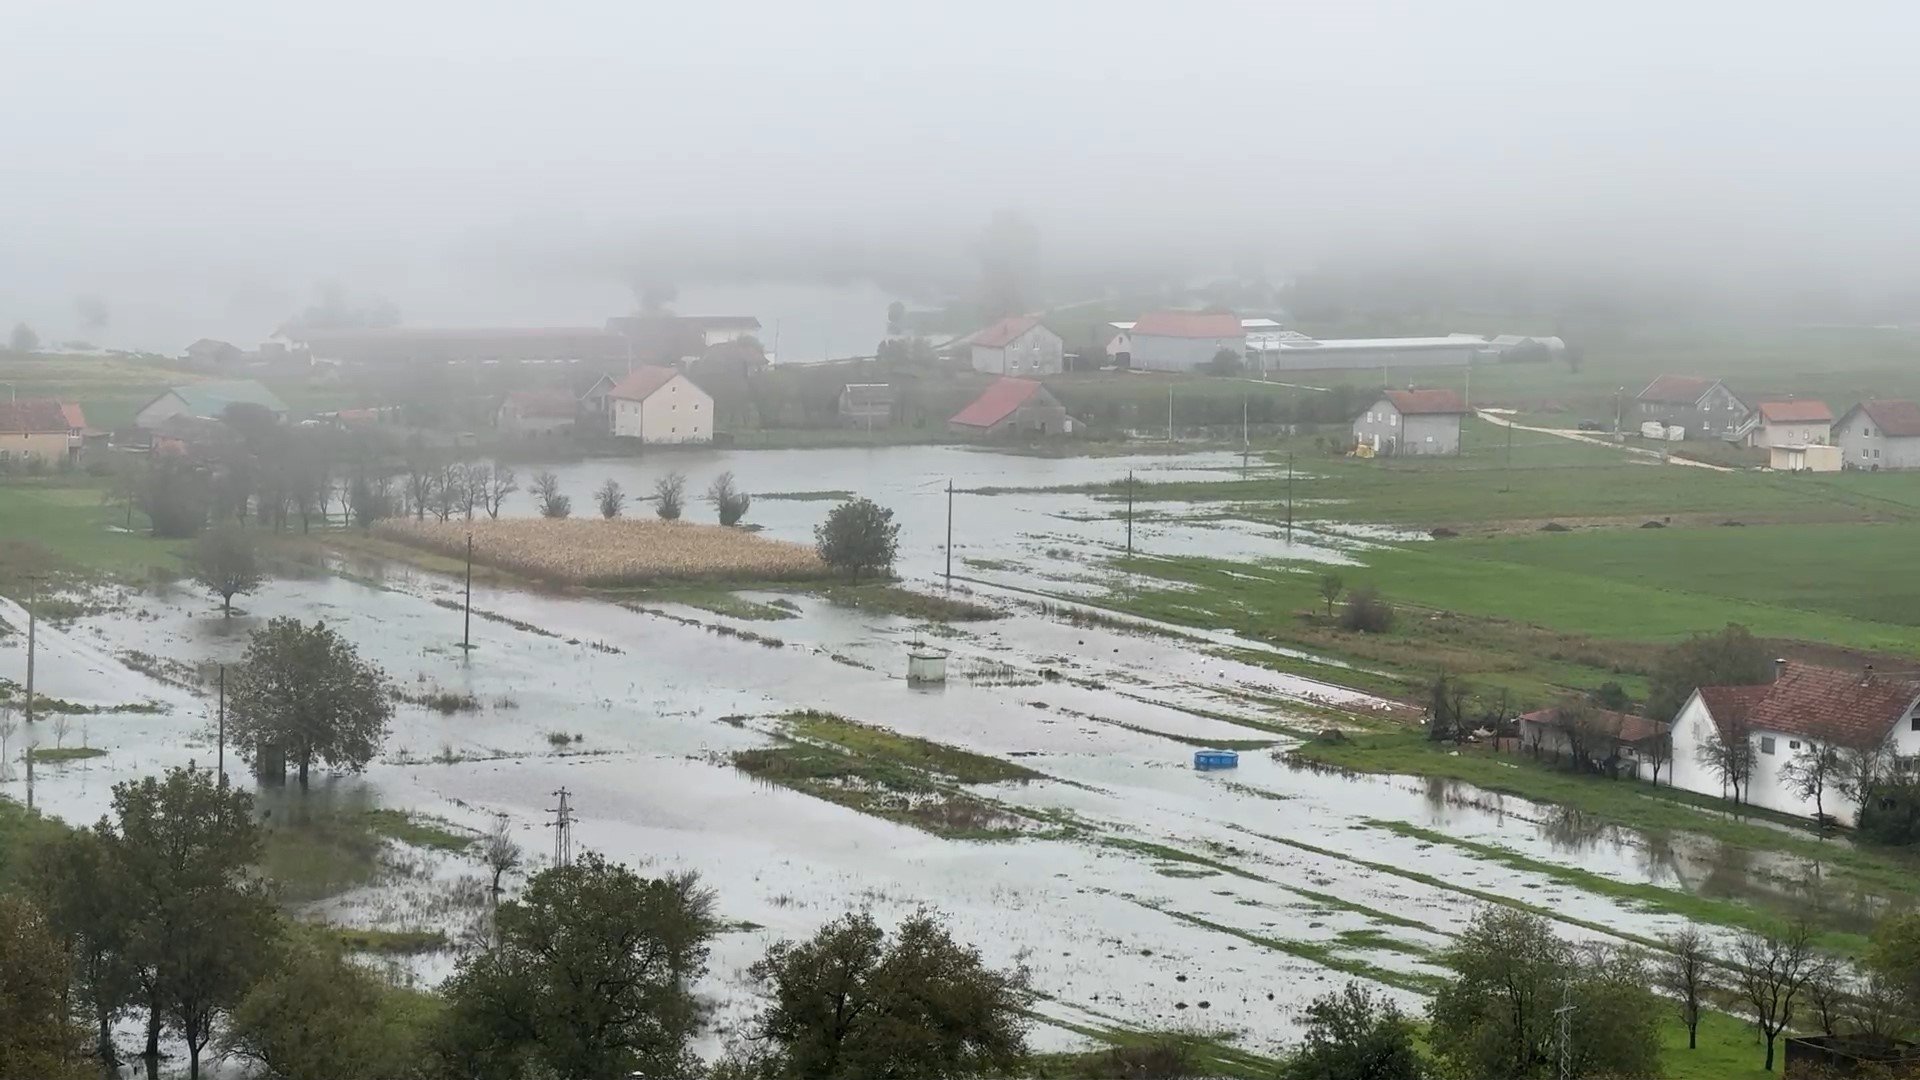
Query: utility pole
x=949, y=534
x=1129, y=513
x=223, y=726
x=563, y=830
x=1469, y=385
x=1509, y=486
x=1169, y=412
x=1246, y=444
x=33, y=596
x=466, y=629
x=1289, y=498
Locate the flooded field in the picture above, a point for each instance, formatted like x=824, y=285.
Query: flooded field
x=1139, y=892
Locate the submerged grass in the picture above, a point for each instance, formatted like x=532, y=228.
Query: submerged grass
x=419, y=830
x=389, y=942
x=54, y=755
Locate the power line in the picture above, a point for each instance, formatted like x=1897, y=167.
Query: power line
x=562, y=826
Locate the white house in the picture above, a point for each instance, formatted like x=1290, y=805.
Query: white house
x=659, y=405
x=1018, y=345
x=1802, y=422
x=1804, y=708
x=1184, y=340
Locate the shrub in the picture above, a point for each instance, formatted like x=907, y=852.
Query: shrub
x=729, y=500
x=670, y=496
x=1367, y=612
x=859, y=536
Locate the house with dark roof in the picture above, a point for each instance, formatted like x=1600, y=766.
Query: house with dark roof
x=1703, y=408
x=1184, y=340
x=1018, y=345
x=1011, y=406
x=1804, y=709
x=1616, y=741
x=1881, y=434
x=1411, y=422
x=39, y=427
x=659, y=405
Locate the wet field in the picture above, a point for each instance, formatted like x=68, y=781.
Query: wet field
x=1164, y=897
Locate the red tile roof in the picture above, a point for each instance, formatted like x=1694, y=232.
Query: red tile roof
x=76, y=419
x=1003, y=333
x=33, y=416
x=1419, y=402
x=997, y=403
x=1626, y=726
x=1795, y=412
x=1896, y=418
x=1677, y=389
x=543, y=403
x=1190, y=324
x=642, y=382
x=1851, y=708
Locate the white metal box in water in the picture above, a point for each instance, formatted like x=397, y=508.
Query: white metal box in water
x=926, y=667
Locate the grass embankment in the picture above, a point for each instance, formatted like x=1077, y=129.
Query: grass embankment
x=892, y=776
x=70, y=521
x=583, y=551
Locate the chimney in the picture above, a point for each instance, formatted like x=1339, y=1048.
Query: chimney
x=1779, y=667
x=1867, y=675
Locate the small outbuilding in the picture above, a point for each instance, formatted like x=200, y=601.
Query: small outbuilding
x=537, y=412
x=209, y=400
x=866, y=405
x=1010, y=406
x=1412, y=422
x=1814, y=457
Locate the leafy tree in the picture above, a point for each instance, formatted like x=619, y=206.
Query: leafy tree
x=182, y=849
x=896, y=318
x=88, y=911
x=612, y=498
x=1894, y=956
x=38, y=1037
x=1770, y=971
x=670, y=496
x=1682, y=971
x=1812, y=772
x=546, y=492
x=1615, y=1026
x=1366, y=612
x=226, y=562
x=591, y=978
x=730, y=502
x=371, y=498
x=1731, y=657
x=1225, y=362
x=304, y=692
x=849, y=1003
x=317, y=1016
x=23, y=338
x=1331, y=586
x=1353, y=1035
x=859, y=536
x=1611, y=696
x=175, y=496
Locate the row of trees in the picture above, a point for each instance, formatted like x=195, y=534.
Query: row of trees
x=669, y=497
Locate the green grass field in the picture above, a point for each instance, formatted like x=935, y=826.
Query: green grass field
x=70, y=519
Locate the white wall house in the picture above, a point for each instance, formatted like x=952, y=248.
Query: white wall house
x=1804, y=708
x=660, y=405
x=1790, y=423
x=1020, y=346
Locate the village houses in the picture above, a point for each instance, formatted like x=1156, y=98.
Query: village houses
x=660, y=405
x=1017, y=345
x=1875, y=435
x=1701, y=408
x=1411, y=422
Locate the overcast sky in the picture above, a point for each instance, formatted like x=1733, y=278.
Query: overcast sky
x=201, y=166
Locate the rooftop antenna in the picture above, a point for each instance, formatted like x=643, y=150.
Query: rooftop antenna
x=562, y=826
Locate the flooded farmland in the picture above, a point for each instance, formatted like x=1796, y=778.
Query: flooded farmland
x=1139, y=892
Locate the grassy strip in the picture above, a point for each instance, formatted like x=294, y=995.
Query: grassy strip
x=886, y=598
x=1655, y=897
x=419, y=830
x=879, y=744
x=1635, y=805
x=1189, y=740
x=1325, y=955
x=1208, y=1055
x=829, y=495
x=1326, y=900
x=725, y=602
x=389, y=942
x=54, y=755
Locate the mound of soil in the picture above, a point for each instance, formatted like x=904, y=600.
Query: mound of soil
x=1442, y=533
x=1653, y=525
x=1554, y=526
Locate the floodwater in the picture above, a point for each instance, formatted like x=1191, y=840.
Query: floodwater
x=635, y=714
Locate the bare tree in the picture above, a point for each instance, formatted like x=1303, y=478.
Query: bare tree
x=449, y=490
x=501, y=855
x=728, y=500
x=495, y=482
x=1770, y=972
x=1727, y=753
x=1877, y=1008
x=1658, y=752
x=62, y=727
x=1683, y=974
x=546, y=489
x=1860, y=771
x=1811, y=772
x=421, y=482
x=1827, y=994
x=670, y=495
x=612, y=498
x=1590, y=732
x=224, y=560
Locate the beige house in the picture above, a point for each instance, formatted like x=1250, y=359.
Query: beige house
x=660, y=405
x=39, y=428
x=1790, y=423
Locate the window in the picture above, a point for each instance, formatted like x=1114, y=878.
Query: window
x=1916, y=721
x=1393, y=419
x=1766, y=744
x=1793, y=744
x=1868, y=432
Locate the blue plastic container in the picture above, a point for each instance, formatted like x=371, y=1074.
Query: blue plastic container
x=1206, y=760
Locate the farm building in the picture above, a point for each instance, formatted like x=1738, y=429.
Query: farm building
x=866, y=405
x=1419, y=422
x=662, y=338
x=212, y=354
x=1704, y=407
x=398, y=347
x=1626, y=742
x=1289, y=351
x=1017, y=345
x=1788, y=423
x=1013, y=406
x=660, y=405
x=1804, y=708
x=1876, y=435
x=537, y=412
x=209, y=400
x=40, y=427
x=1183, y=340
x=1813, y=457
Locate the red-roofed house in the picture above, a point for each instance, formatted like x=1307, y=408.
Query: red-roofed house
x=537, y=412
x=1804, y=708
x=1017, y=345
x=39, y=427
x=1012, y=405
x=659, y=405
x=1422, y=422
x=1801, y=422
x=1184, y=340
x=1631, y=744
x=1880, y=434
x=1704, y=408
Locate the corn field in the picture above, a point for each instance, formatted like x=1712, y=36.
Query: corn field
x=582, y=551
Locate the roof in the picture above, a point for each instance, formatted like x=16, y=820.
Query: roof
x=1896, y=418
x=1303, y=342
x=1677, y=389
x=543, y=403
x=996, y=403
x=76, y=419
x=868, y=393
x=1851, y=708
x=719, y=322
x=214, y=343
x=212, y=398
x=34, y=415
x=1795, y=412
x=1189, y=324
x=641, y=382
x=1625, y=726
x=1425, y=402
x=1004, y=332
